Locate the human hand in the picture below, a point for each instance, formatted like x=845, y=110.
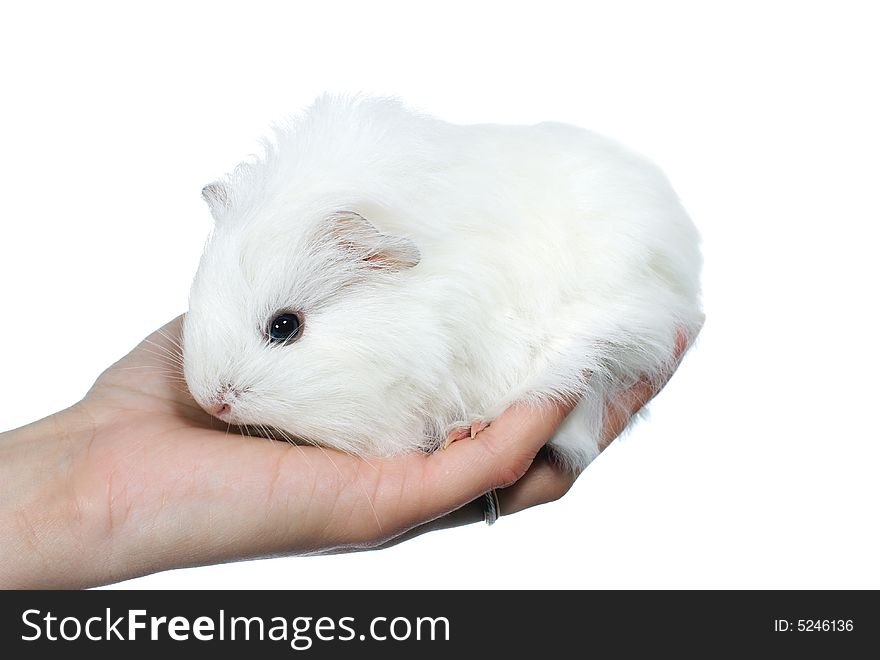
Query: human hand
x=137, y=478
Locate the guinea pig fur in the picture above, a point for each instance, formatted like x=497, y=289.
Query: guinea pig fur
x=435, y=274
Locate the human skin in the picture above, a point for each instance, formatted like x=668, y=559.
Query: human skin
x=137, y=478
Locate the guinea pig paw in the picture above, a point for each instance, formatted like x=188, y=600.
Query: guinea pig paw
x=455, y=435
x=478, y=426
x=462, y=432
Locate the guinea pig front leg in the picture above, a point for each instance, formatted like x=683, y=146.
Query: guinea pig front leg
x=462, y=432
x=576, y=441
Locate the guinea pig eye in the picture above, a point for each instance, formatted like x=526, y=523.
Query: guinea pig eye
x=284, y=327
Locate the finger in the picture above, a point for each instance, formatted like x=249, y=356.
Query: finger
x=470, y=513
x=433, y=486
x=496, y=457
x=620, y=409
x=544, y=482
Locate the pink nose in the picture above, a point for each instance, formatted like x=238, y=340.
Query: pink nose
x=220, y=410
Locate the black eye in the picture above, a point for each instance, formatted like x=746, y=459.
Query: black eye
x=284, y=327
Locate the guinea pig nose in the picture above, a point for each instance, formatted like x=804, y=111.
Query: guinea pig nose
x=219, y=409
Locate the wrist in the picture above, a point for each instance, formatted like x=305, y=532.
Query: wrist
x=46, y=525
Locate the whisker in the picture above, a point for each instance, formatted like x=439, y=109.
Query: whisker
x=370, y=502
x=153, y=367
x=299, y=447
x=162, y=347
x=170, y=338
x=175, y=355
x=166, y=358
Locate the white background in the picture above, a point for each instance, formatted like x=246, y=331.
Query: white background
x=759, y=465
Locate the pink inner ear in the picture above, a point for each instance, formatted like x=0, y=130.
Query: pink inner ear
x=376, y=261
x=356, y=235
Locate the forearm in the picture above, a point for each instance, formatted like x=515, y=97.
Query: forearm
x=44, y=541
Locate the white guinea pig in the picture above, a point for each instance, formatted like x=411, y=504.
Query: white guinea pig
x=379, y=277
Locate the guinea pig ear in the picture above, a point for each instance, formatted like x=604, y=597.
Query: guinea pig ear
x=217, y=197
x=358, y=236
